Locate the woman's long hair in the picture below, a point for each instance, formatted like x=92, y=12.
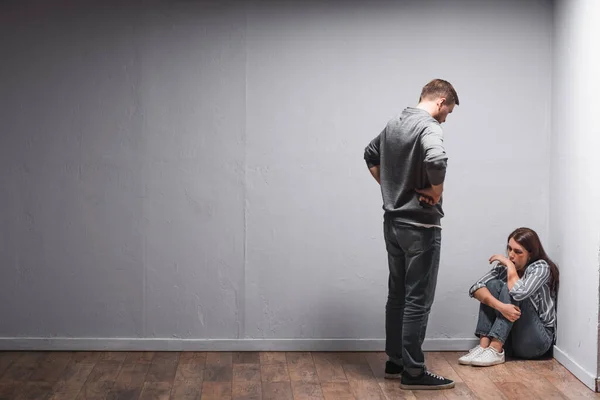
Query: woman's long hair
x=531, y=242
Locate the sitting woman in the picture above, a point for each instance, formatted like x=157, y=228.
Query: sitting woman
x=518, y=297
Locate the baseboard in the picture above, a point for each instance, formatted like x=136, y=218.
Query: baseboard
x=160, y=344
x=580, y=373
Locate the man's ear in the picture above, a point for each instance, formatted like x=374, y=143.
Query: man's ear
x=441, y=101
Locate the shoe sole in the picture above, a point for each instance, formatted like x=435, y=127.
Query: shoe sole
x=393, y=376
x=489, y=364
x=464, y=362
x=427, y=387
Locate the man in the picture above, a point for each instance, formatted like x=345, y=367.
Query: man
x=408, y=160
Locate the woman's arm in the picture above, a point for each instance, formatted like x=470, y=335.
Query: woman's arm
x=497, y=272
x=484, y=296
x=511, y=271
x=536, y=275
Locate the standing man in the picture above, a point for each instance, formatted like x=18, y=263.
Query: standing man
x=408, y=160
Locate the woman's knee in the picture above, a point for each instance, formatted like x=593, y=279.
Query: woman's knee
x=495, y=286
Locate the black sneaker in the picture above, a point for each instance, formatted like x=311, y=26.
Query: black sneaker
x=393, y=370
x=425, y=381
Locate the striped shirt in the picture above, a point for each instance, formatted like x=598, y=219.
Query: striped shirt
x=534, y=286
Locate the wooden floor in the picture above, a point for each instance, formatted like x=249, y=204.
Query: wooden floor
x=277, y=376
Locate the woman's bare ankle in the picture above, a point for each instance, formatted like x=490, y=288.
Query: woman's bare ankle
x=496, y=345
x=484, y=342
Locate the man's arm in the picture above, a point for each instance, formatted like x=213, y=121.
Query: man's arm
x=435, y=162
x=373, y=158
x=375, y=172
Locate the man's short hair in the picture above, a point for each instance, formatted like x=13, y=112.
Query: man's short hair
x=439, y=88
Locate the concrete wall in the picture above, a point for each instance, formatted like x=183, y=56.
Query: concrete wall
x=190, y=174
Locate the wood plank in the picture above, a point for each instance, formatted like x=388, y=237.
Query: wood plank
x=196, y=357
x=277, y=391
x=542, y=388
x=223, y=358
x=189, y=371
x=51, y=366
x=139, y=357
x=247, y=390
x=163, y=367
x=329, y=368
x=8, y=390
x=7, y=358
x=216, y=373
x=22, y=368
x=227, y=376
x=130, y=381
x=105, y=371
x=34, y=391
x=392, y=391
x=516, y=390
x=246, y=357
x=272, y=357
x=113, y=355
x=274, y=373
x=299, y=358
x=366, y=389
x=216, y=390
x=430, y=394
x=246, y=373
x=186, y=390
x=301, y=367
x=337, y=391
x=95, y=390
x=358, y=372
x=485, y=389
x=459, y=392
x=376, y=361
x=307, y=391
x=88, y=357
x=156, y=390
x=72, y=379
x=101, y=379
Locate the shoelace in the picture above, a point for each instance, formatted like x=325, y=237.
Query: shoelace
x=435, y=376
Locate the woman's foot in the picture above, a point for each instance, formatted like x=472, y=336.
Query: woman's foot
x=488, y=357
x=472, y=354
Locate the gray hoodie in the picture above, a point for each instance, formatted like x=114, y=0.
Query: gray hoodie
x=410, y=153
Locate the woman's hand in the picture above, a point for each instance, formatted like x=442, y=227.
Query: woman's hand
x=510, y=312
x=501, y=259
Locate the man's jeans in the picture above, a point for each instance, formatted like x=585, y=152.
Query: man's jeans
x=529, y=338
x=413, y=258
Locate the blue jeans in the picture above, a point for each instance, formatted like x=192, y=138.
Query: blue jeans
x=413, y=260
x=529, y=338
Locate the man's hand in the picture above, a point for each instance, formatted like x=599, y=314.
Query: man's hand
x=510, y=312
x=429, y=196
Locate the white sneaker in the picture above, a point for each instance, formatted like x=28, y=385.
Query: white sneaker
x=488, y=357
x=467, y=358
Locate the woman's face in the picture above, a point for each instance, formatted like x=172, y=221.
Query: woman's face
x=517, y=254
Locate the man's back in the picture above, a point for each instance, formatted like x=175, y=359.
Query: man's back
x=411, y=156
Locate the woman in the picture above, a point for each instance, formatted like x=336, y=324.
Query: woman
x=518, y=297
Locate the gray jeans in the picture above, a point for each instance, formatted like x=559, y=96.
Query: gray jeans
x=413, y=259
x=529, y=338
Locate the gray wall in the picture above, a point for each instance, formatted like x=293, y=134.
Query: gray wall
x=575, y=217
x=194, y=171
